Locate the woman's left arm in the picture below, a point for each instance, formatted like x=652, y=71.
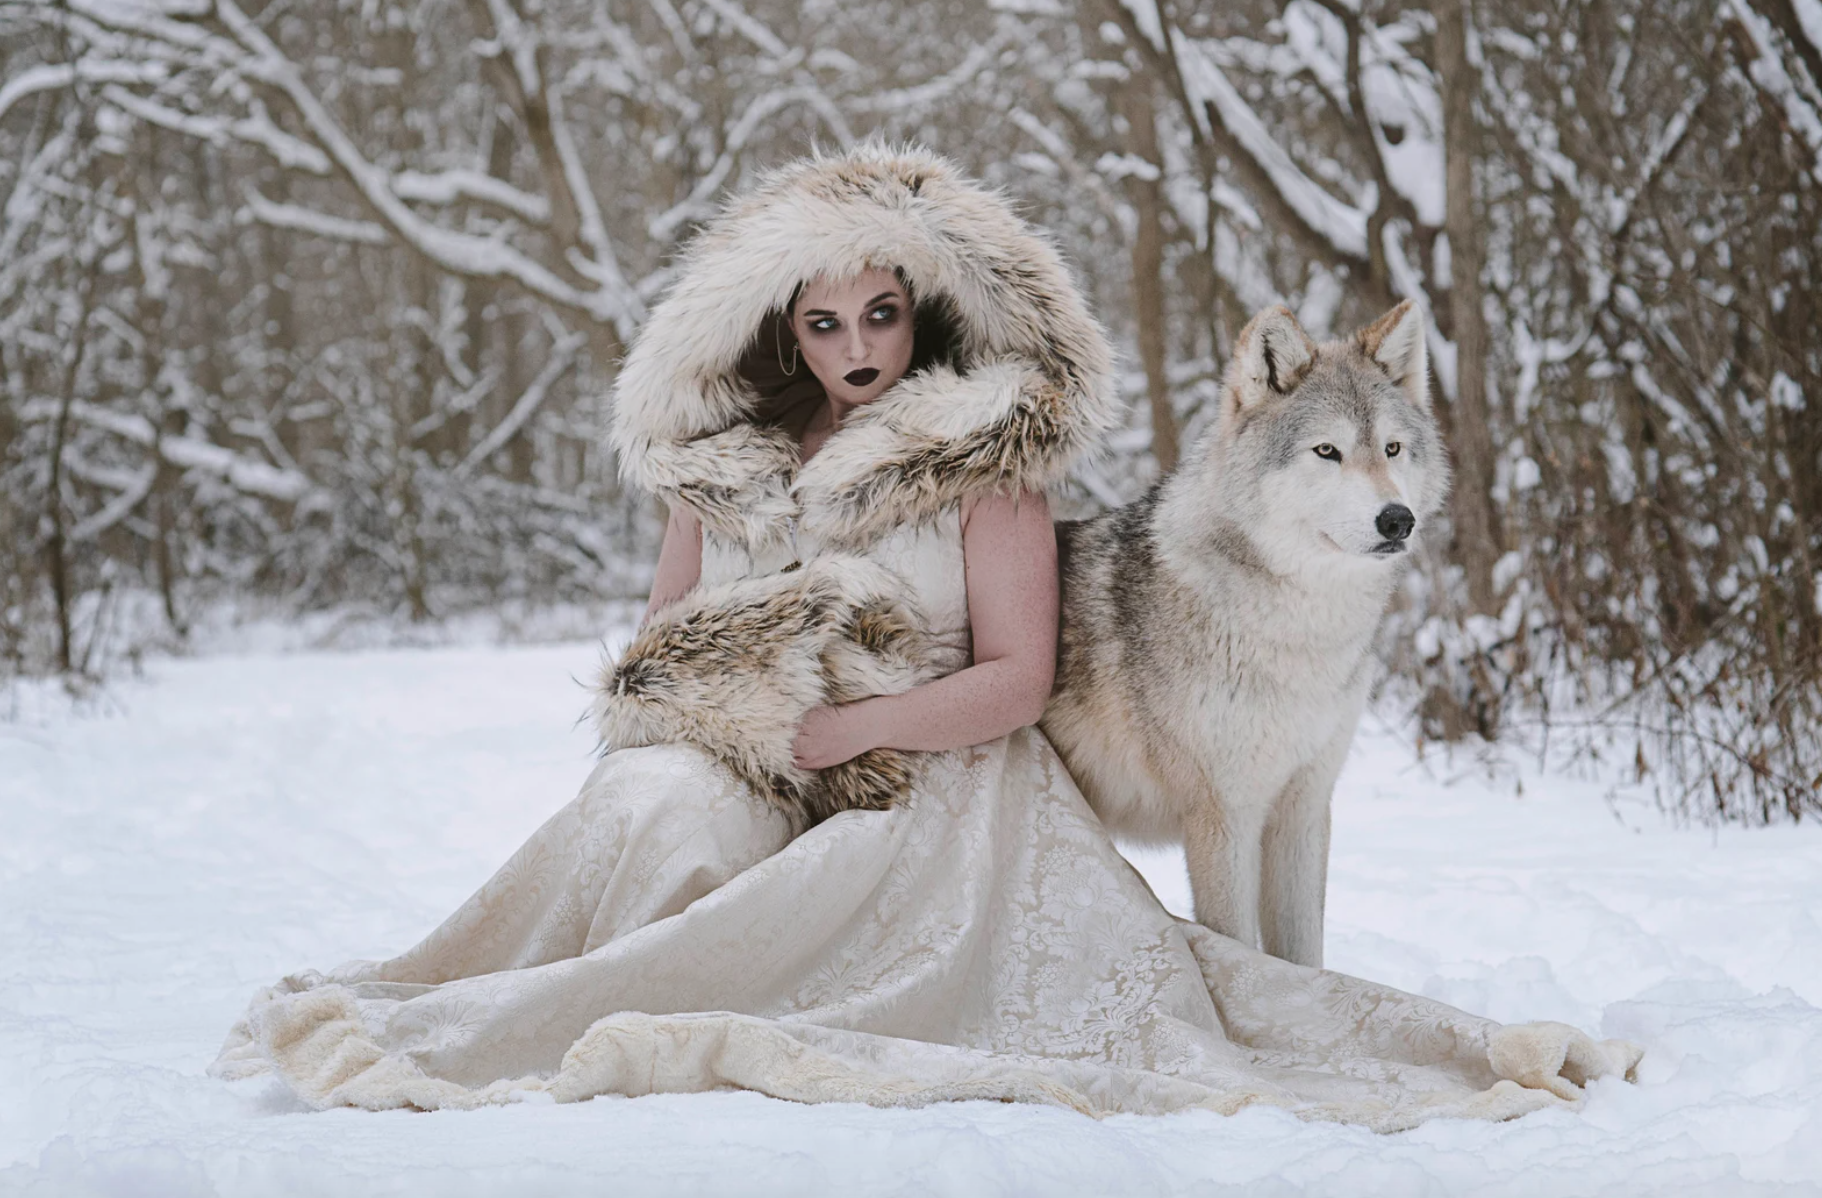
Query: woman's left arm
x=1009, y=551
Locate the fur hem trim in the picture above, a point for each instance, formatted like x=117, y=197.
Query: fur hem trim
x=1559, y=1058
x=1031, y=393
x=319, y=1045
x=735, y=668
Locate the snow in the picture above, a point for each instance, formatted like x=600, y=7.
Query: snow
x=1809, y=16
x=183, y=837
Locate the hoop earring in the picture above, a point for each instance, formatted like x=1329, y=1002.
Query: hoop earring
x=790, y=373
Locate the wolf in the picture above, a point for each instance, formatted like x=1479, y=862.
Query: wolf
x=1216, y=635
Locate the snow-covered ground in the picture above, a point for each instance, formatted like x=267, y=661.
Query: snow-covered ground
x=195, y=833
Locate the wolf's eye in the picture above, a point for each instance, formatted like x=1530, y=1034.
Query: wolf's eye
x=1392, y=448
x=1328, y=452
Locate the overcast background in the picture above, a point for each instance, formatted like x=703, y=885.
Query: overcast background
x=312, y=307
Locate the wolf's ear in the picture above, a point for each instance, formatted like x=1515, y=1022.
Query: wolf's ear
x=1396, y=342
x=1270, y=357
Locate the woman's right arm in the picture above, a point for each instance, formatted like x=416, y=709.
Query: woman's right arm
x=679, y=560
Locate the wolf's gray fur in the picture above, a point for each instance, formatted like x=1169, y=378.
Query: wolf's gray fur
x=1216, y=639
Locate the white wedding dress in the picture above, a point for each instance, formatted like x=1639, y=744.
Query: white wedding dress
x=984, y=939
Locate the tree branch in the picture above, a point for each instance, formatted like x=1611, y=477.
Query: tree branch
x=460, y=253
x=1220, y=118
x=562, y=357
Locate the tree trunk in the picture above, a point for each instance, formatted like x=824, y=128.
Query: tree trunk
x=156, y=399
x=1147, y=195
x=1477, y=532
x=56, y=541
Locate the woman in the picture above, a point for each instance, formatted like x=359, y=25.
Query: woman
x=853, y=399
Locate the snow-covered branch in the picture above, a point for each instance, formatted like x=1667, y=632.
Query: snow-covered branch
x=300, y=219
x=449, y=187
x=1317, y=212
x=1221, y=119
x=700, y=201
x=116, y=509
x=1786, y=82
x=562, y=357
x=256, y=129
x=56, y=76
x=246, y=474
x=574, y=208
x=460, y=253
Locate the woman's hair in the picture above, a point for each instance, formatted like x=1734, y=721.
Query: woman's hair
x=934, y=336
x=935, y=341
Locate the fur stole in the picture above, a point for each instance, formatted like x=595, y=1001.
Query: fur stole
x=1022, y=390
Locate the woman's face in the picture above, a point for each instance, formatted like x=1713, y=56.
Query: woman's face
x=855, y=333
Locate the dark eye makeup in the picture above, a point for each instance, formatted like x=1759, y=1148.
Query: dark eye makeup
x=879, y=316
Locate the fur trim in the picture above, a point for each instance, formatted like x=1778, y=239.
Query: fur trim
x=1032, y=391
x=734, y=669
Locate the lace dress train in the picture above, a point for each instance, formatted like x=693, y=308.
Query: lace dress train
x=986, y=940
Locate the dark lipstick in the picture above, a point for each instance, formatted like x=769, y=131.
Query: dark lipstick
x=861, y=377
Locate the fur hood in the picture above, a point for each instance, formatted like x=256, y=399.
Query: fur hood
x=696, y=407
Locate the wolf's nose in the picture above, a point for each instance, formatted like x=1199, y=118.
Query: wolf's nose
x=1395, y=522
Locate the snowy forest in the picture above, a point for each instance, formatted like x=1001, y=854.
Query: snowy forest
x=318, y=303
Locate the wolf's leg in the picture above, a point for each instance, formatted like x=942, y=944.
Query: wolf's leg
x=1296, y=857
x=1221, y=846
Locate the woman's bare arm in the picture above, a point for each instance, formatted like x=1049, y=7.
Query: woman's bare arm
x=1009, y=550
x=679, y=560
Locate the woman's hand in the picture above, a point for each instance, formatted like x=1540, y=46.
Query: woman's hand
x=829, y=736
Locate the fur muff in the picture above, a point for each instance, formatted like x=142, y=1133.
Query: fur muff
x=734, y=668
x=1027, y=393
